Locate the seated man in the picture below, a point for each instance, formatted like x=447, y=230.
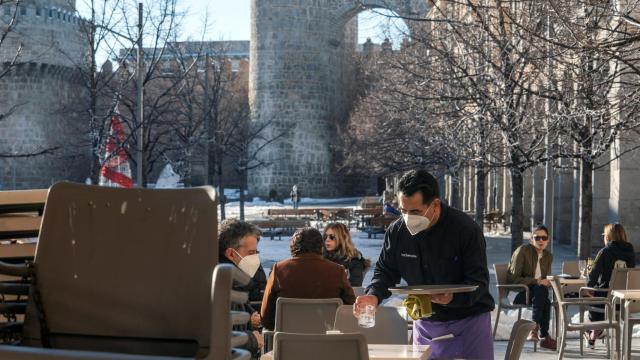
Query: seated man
x=238, y=245
x=307, y=275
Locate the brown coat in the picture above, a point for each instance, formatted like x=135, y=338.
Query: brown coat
x=307, y=276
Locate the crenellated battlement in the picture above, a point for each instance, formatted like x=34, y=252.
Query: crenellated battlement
x=48, y=33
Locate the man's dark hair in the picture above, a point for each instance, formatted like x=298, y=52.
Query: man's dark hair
x=419, y=180
x=306, y=240
x=231, y=231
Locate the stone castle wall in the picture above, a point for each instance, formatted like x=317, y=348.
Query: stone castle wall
x=300, y=83
x=40, y=94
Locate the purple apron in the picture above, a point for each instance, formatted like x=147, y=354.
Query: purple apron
x=471, y=337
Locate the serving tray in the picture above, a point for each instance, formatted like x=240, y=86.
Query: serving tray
x=433, y=289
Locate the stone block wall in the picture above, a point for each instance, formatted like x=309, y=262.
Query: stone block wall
x=300, y=84
x=40, y=94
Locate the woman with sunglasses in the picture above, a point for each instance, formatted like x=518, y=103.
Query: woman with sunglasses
x=530, y=264
x=616, y=248
x=339, y=248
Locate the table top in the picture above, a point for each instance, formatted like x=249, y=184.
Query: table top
x=626, y=294
x=387, y=352
x=565, y=281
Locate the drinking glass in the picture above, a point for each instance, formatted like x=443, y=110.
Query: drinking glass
x=582, y=264
x=367, y=316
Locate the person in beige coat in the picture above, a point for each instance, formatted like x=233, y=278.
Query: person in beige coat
x=530, y=264
x=307, y=275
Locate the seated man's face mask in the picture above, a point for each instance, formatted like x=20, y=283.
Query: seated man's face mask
x=248, y=264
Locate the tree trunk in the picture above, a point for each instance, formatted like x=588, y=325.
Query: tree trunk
x=223, y=199
x=243, y=180
x=455, y=189
x=586, y=209
x=517, y=210
x=480, y=205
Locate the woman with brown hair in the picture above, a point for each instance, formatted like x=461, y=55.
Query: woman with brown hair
x=616, y=248
x=339, y=248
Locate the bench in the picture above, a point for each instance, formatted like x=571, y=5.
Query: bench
x=364, y=215
x=306, y=213
x=280, y=227
x=493, y=219
x=20, y=213
x=378, y=225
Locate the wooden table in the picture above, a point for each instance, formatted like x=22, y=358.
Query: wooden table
x=625, y=297
x=388, y=352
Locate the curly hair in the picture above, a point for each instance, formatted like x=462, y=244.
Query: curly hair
x=231, y=231
x=306, y=240
x=344, y=245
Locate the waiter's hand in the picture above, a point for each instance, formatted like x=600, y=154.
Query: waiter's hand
x=364, y=300
x=442, y=299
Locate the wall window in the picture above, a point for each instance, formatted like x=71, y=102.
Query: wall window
x=50, y=13
x=23, y=10
x=38, y=11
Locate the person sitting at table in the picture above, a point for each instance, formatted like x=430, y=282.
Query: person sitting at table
x=306, y=275
x=616, y=248
x=339, y=248
x=238, y=245
x=530, y=264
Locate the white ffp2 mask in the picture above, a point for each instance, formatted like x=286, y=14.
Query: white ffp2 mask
x=416, y=223
x=249, y=264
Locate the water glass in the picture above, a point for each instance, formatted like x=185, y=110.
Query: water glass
x=367, y=316
x=582, y=264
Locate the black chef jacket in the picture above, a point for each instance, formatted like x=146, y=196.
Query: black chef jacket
x=453, y=251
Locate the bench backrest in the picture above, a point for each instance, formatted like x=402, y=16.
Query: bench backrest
x=125, y=270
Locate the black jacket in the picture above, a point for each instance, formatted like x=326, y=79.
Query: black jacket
x=605, y=260
x=453, y=251
x=357, y=266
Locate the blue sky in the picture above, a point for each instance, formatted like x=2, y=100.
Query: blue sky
x=230, y=20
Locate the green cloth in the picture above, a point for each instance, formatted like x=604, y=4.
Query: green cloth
x=522, y=267
x=418, y=306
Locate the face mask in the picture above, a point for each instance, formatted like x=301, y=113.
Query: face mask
x=416, y=223
x=249, y=264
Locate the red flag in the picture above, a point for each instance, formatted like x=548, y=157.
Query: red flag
x=115, y=171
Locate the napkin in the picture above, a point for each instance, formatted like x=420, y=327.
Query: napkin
x=418, y=306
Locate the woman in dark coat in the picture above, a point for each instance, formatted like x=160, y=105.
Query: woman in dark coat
x=339, y=248
x=616, y=248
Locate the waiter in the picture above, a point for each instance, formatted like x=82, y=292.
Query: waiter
x=436, y=244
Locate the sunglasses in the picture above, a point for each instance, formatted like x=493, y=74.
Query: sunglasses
x=539, y=238
x=330, y=236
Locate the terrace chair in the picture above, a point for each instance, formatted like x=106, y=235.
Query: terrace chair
x=391, y=328
x=633, y=283
x=303, y=316
x=503, y=295
x=127, y=274
x=565, y=320
x=519, y=333
x=571, y=268
x=290, y=346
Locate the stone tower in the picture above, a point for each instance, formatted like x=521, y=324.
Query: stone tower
x=35, y=94
x=300, y=82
